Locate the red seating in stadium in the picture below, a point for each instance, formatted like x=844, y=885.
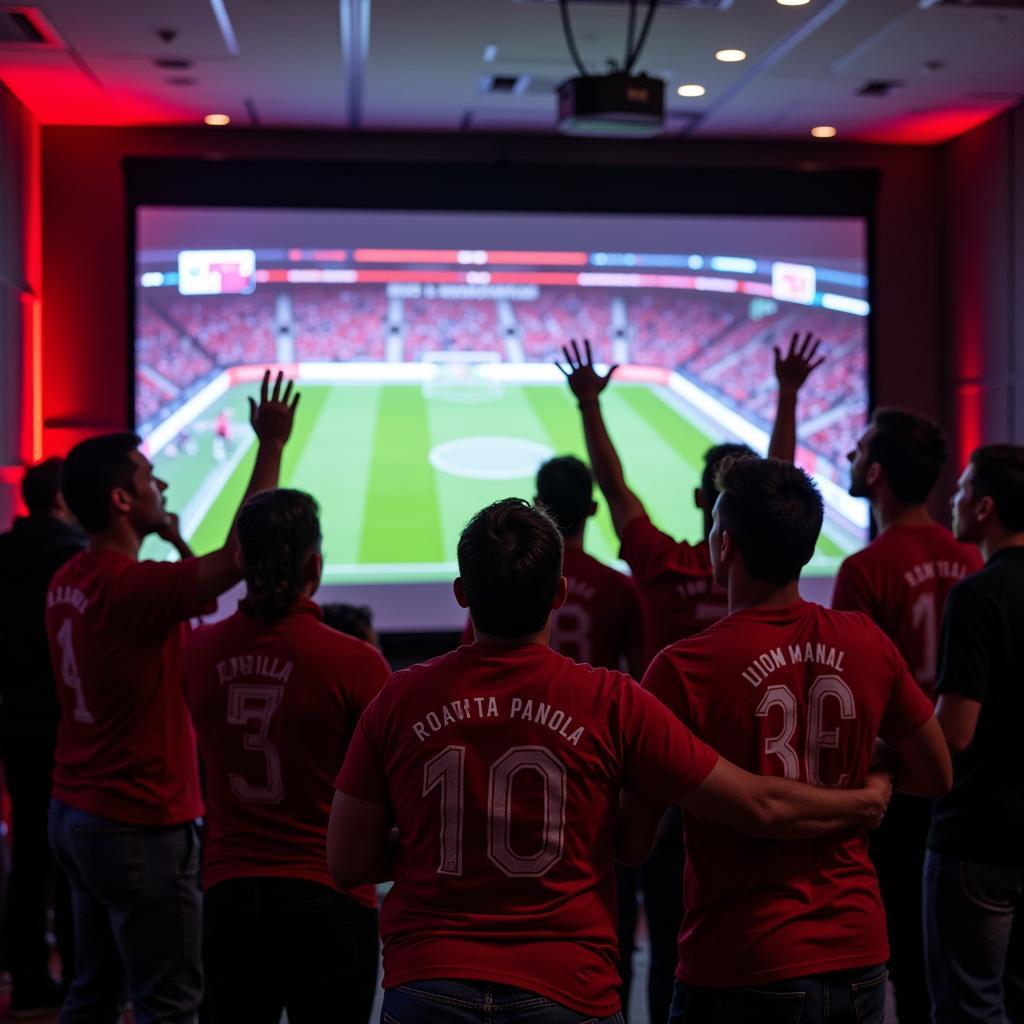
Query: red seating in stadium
x=335, y=325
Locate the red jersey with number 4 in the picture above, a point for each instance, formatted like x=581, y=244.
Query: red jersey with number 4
x=125, y=746
x=274, y=707
x=901, y=581
x=502, y=769
x=799, y=692
x=601, y=622
x=674, y=578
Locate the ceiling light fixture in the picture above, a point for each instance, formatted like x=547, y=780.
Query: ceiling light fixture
x=731, y=56
x=793, y=3
x=217, y=119
x=824, y=131
x=691, y=90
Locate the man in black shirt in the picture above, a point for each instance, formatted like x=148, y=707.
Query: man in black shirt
x=38, y=545
x=974, y=871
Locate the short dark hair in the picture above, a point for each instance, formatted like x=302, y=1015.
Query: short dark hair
x=92, y=470
x=510, y=561
x=713, y=458
x=911, y=451
x=565, y=488
x=277, y=532
x=40, y=486
x=999, y=475
x=354, y=619
x=773, y=512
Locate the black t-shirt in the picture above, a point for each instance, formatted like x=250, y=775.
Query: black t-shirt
x=982, y=818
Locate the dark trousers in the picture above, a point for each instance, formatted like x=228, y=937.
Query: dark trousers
x=271, y=944
x=660, y=879
x=843, y=997
x=897, y=850
x=136, y=906
x=35, y=877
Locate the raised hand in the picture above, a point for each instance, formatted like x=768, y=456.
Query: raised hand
x=273, y=417
x=170, y=531
x=585, y=382
x=793, y=368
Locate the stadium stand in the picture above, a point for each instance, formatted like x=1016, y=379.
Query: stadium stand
x=331, y=324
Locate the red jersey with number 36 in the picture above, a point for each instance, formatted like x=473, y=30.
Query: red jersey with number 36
x=901, y=580
x=125, y=746
x=502, y=769
x=799, y=692
x=274, y=706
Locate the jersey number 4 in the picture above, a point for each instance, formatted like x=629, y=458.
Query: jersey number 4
x=447, y=771
x=70, y=674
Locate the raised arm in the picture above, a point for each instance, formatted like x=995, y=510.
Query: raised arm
x=791, y=370
x=272, y=420
x=587, y=384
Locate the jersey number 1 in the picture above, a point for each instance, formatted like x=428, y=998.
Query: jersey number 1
x=447, y=770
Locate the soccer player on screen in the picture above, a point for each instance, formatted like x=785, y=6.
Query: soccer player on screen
x=486, y=783
x=126, y=785
x=274, y=695
x=901, y=581
x=786, y=688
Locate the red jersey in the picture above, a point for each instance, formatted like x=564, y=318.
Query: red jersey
x=125, y=746
x=274, y=707
x=799, y=692
x=601, y=622
x=679, y=592
x=502, y=769
x=901, y=581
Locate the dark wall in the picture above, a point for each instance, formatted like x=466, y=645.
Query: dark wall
x=84, y=231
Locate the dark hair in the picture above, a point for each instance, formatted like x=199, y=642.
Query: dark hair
x=277, y=532
x=92, y=470
x=773, y=511
x=40, y=486
x=354, y=619
x=999, y=475
x=712, y=460
x=911, y=451
x=510, y=561
x=565, y=488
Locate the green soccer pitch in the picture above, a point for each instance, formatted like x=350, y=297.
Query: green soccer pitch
x=398, y=470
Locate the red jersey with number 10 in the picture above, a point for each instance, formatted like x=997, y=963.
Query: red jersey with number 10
x=275, y=705
x=799, y=692
x=901, y=581
x=502, y=769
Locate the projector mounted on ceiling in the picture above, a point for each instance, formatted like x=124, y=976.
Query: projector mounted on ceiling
x=618, y=103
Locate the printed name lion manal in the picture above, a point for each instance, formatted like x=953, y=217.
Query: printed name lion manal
x=487, y=707
x=816, y=654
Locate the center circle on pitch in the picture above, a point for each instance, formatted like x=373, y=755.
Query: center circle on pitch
x=489, y=458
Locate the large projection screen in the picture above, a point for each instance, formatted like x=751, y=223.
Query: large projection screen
x=424, y=341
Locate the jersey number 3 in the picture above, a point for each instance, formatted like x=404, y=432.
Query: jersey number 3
x=447, y=771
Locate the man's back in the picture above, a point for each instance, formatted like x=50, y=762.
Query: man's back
x=274, y=707
x=901, y=581
x=502, y=766
x=800, y=692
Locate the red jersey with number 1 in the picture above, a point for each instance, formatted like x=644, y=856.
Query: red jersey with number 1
x=275, y=705
x=502, y=768
x=901, y=580
x=799, y=692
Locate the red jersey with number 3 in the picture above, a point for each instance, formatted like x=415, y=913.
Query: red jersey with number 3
x=901, y=580
x=601, y=622
x=799, y=692
x=125, y=746
x=502, y=769
x=274, y=706
x=675, y=580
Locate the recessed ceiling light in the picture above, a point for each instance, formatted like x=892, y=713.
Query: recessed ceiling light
x=691, y=90
x=217, y=119
x=731, y=56
x=824, y=131
x=490, y=52
x=793, y=3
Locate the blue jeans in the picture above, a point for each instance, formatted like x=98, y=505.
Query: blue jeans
x=974, y=940
x=136, y=907
x=843, y=997
x=475, y=1002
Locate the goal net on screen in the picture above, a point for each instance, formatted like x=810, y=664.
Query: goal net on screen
x=462, y=376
